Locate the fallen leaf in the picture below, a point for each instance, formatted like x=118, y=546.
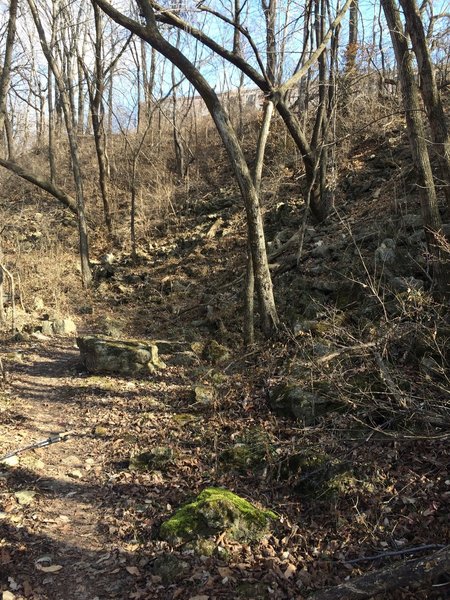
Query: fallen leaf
x=133, y=571
x=225, y=572
x=200, y=597
x=50, y=568
x=8, y=596
x=27, y=589
x=290, y=570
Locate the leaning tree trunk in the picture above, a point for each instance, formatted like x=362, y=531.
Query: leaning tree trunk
x=151, y=34
x=417, y=139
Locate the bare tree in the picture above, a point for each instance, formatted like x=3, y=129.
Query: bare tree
x=67, y=107
x=96, y=90
x=429, y=90
x=152, y=35
x=417, y=139
x=320, y=198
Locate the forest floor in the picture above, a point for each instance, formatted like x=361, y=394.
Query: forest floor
x=77, y=524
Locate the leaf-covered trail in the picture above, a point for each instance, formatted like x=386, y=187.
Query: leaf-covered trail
x=76, y=523
x=52, y=545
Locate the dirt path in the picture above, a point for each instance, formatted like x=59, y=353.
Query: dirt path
x=76, y=523
x=52, y=541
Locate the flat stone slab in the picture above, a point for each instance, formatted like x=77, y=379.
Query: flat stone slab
x=119, y=357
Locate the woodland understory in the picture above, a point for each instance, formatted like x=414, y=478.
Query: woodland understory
x=295, y=287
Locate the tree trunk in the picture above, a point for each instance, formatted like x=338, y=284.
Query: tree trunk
x=390, y=578
x=430, y=93
x=417, y=139
x=86, y=273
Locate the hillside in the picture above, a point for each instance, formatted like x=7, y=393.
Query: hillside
x=340, y=425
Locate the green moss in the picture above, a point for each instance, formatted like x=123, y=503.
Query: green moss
x=157, y=458
x=215, y=352
x=183, y=419
x=346, y=482
x=249, y=590
x=254, y=450
x=213, y=511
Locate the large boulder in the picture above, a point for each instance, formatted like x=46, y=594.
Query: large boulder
x=119, y=357
x=214, y=511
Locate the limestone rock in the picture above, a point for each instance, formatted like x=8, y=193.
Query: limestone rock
x=64, y=327
x=215, y=352
x=47, y=328
x=203, y=395
x=214, y=511
x=169, y=568
x=183, y=359
x=385, y=253
x=38, y=303
x=293, y=401
x=253, y=451
x=119, y=357
x=157, y=458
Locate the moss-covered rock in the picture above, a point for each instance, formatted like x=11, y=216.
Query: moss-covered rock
x=252, y=590
x=316, y=473
x=156, y=459
x=203, y=395
x=119, y=357
x=170, y=568
x=213, y=511
x=215, y=353
x=254, y=450
x=293, y=401
x=183, y=419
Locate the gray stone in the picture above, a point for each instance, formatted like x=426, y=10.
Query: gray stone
x=320, y=250
x=119, y=357
x=204, y=395
x=183, y=359
x=385, y=253
x=412, y=221
x=158, y=458
x=170, y=346
x=170, y=568
x=293, y=401
x=64, y=327
x=38, y=303
x=47, y=328
x=406, y=284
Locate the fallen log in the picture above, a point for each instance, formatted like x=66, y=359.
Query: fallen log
x=390, y=578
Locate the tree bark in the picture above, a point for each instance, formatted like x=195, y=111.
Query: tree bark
x=41, y=182
x=6, y=70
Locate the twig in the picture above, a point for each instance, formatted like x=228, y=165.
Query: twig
x=395, y=553
x=390, y=384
